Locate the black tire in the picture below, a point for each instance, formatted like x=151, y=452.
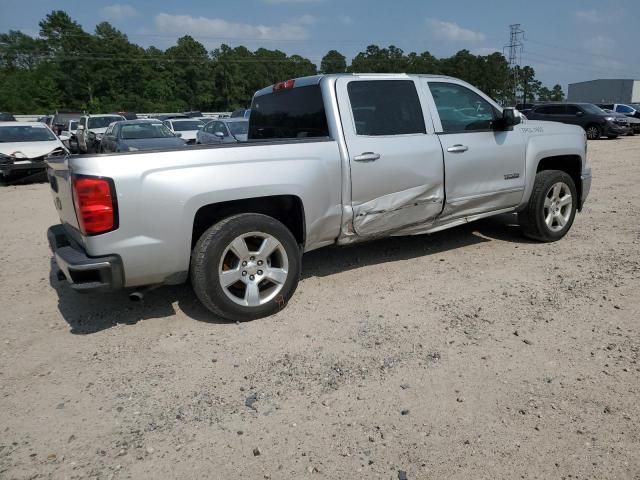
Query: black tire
x=594, y=132
x=532, y=219
x=206, y=258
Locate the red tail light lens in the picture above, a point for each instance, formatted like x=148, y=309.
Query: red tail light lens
x=286, y=85
x=95, y=203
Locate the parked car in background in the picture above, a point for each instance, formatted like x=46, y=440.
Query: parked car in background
x=333, y=159
x=69, y=130
x=595, y=121
x=7, y=117
x=206, y=120
x=46, y=119
x=224, y=131
x=90, y=130
x=60, y=120
x=525, y=108
x=242, y=113
x=630, y=110
x=186, y=127
x=632, y=123
x=169, y=116
x=127, y=115
x=135, y=135
x=25, y=145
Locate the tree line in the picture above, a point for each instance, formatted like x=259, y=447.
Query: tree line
x=67, y=68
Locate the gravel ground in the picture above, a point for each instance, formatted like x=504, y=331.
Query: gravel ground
x=472, y=353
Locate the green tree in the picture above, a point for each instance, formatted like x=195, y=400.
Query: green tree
x=333, y=62
x=557, y=95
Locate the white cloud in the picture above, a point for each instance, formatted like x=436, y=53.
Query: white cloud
x=589, y=16
x=485, y=50
x=220, y=29
x=304, y=20
x=345, y=20
x=599, y=45
x=453, y=32
x=118, y=11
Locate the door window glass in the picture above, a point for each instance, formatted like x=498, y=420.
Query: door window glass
x=386, y=107
x=460, y=109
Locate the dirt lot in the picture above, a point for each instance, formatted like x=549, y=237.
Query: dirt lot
x=472, y=353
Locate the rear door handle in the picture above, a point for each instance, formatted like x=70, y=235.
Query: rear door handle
x=458, y=149
x=367, y=157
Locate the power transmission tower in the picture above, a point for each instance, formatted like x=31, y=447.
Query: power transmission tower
x=515, y=52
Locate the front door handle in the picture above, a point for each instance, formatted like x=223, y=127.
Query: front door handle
x=367, y=157
x=458, y=149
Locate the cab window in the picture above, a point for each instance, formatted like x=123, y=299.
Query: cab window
x=460, y=109
x=386, y=107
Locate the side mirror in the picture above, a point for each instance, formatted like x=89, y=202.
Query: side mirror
x=579, y=114
x=220, y=135
x=179, y=135
x=509, y=117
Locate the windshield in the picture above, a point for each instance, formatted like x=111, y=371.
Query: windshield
x=103, y=122
x=589, y=108
x=26, y=133
x=187, y=125
x=139, y=131
x=238, y=128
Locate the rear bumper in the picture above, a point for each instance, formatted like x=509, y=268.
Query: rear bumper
x=84, y=273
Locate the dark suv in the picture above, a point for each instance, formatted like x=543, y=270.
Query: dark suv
x=595, y=121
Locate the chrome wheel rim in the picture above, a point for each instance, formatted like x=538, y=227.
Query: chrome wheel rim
x=253, y=269
x=558, y=205
x=592, y=133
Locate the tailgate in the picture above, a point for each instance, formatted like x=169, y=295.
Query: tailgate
x=59, y=177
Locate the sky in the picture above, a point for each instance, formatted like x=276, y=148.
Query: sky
x=564, y=41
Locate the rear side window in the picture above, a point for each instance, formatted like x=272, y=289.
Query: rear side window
x=624, y=109
x=551, y=110
x=386, y=107
x=572, y=110
x=291, y=113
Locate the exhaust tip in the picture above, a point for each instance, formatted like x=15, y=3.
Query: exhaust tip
x=136, y=296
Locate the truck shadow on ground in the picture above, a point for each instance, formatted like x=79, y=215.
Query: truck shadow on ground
x=92, y=313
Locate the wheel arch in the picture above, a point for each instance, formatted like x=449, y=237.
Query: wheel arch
x=287, y=209
x=570, y=164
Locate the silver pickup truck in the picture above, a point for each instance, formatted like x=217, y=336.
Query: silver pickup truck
x=332, y=159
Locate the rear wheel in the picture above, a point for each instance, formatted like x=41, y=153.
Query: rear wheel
x=552, y=207
x=245, y=267
x=594, y=132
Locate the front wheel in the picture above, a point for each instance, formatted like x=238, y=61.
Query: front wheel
x=551, y=208
x=594, y=132
x=245, y=267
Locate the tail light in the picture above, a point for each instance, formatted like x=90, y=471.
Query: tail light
x=286, y=85
x=96, y=205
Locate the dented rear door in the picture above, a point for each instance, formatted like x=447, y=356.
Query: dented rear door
x=397, y=173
